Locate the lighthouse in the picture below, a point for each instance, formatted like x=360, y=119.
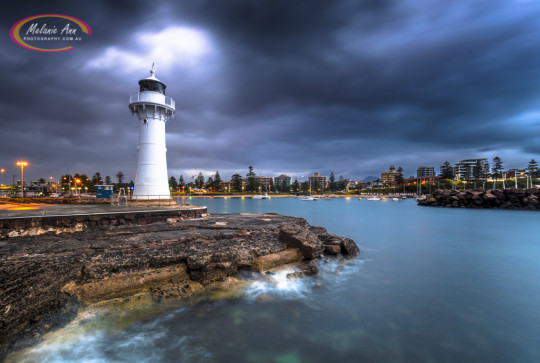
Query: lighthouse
x=153, y=109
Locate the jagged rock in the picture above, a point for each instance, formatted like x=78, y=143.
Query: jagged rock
x=334, y=249
x=491, y=198
x=274, y=260
x=308, y=269
x=349, y=247
x=306, y=241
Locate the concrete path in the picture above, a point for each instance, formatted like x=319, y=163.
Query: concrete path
x=10, y=210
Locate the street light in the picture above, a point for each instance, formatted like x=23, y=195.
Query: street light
x=2, y=171
x=22, y=164
x=76, y=181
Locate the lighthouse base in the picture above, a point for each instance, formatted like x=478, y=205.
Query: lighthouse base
x=151, y=192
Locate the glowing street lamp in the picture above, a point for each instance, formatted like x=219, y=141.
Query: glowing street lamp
x=2, y=171
x=22, y=164
x=76, y=181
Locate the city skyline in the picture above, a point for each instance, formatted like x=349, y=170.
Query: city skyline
x=288, y=88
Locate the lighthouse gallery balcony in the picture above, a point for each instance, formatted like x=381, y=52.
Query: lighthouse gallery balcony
x=154, y=98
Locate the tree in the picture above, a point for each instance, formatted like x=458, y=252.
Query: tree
x=251, y=185
x=295, y=186
x=236, y=181
x=477, y=170
x=217, y=181
x=284, y=187
x=41, y=180
x=199, y=181
x=496, y=169
x=172, y=183
x=342, y=183
x=210, y=182
x=108, y=180
x=378, y=182
x=315, y=186
x=66, y=178
x=96, y=179
x=181, y=183
x=120, y=177
x=447, y=172
x=533, y=168
x=305, y=186
x=399, y=176
x=332, y=181
x=478, y=173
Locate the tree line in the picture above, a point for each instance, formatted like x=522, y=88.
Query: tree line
x=481, y=170
x=81, y=180
x=250, y=183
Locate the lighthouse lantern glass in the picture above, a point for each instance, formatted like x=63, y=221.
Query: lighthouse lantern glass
x=152, y=86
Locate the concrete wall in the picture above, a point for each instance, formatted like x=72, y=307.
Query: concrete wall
x=16, y=226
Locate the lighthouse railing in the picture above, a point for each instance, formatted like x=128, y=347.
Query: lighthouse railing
x=151, y=97
x=147, y=200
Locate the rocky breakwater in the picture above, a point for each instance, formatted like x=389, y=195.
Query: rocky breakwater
x=479, y=198
x=44, y=279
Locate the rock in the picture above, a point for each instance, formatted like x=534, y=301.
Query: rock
x=349, y=247
x=533, y=202
x=333, y=249
x=198, y=261
x=274, y=260
x=489, y=197
x=306, y=241
x=307, y=269
x=510, y=198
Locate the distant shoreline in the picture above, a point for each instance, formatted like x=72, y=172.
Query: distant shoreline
x=297, y=196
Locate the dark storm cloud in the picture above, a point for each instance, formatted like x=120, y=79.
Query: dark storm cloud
x=297, y=87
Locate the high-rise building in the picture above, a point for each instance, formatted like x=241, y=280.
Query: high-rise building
x=317, y=182
x=424, y=171
x=389, y=177
x=282, y=180
x=264, y=181
x=470, y=169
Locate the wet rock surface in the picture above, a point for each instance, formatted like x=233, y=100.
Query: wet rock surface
x=511, y=198
x=44, y=278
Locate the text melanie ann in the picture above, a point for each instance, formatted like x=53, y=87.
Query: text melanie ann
x=43, y=30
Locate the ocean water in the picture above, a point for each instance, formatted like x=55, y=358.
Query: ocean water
x=431, y=285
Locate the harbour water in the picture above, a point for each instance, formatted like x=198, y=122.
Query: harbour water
x=431, y=285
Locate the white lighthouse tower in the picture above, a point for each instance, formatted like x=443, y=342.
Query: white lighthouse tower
x=153, y=109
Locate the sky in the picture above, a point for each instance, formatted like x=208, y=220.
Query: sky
x=290, y=87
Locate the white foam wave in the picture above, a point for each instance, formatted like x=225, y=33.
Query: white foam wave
x=278, y=284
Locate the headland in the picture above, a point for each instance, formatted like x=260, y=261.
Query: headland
x=52, y=265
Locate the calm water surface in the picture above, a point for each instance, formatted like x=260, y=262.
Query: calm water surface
x=431, y=285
